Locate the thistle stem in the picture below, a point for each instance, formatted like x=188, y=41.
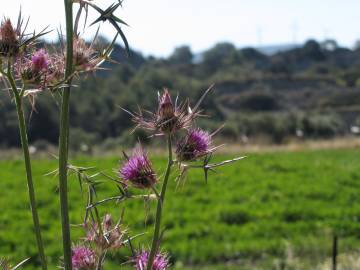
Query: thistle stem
x=64, y=138
x=160, y=205
x=25, y=148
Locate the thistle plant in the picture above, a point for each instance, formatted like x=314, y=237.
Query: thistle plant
x=194, y=150
x=17, y=49
x=27, y=71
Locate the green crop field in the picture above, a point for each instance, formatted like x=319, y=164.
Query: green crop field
x=266, y=210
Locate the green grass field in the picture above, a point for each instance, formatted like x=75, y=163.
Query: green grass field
x=254, y=212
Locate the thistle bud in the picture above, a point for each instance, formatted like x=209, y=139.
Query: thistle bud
x=138, y=170
x=8, y=39
x=83, y=258
x=166, y=107
x=195, y=144
x=166, y=116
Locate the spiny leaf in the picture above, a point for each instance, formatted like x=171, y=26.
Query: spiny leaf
x=108, y=15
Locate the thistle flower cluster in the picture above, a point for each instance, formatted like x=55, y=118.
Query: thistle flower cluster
x=169, y=119
x=172, y=121
x=31, y=65
x=44, y=68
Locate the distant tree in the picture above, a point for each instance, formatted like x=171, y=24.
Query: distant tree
x=251, y=54
x=182, y=55
x=312, y=49
x=214, y=58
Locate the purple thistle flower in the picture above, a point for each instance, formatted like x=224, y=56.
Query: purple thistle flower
x=138, y=170
x=195, y=144
x=34, y=69
x=40, y=60
x=161, y=261
x=26, y=71
x=83, y=258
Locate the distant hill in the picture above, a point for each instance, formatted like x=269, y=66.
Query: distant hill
x=277, y=92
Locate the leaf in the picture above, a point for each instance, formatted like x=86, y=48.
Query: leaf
x=123, y=37
x=108, y=15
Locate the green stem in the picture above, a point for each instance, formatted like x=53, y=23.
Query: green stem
x=101, y=258
x=160, y=204
x=25, y=148
x=64, y=139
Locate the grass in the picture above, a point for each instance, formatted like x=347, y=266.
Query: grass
x=255, y=212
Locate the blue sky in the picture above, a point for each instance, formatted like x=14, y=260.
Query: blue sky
x=158, y=26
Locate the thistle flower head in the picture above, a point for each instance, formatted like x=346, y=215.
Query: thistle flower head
x=9, y=41
x=40, y=69
x=109, y=237
x=195, y=144
x=7, y=31
x=40, y=60
x=161, y=261
x=83, y=258
x=170, y=117
x=14, y=39
x=33, y=68
x=85, y=58
x=138, y=170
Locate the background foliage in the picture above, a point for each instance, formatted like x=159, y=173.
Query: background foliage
x=310, y=91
